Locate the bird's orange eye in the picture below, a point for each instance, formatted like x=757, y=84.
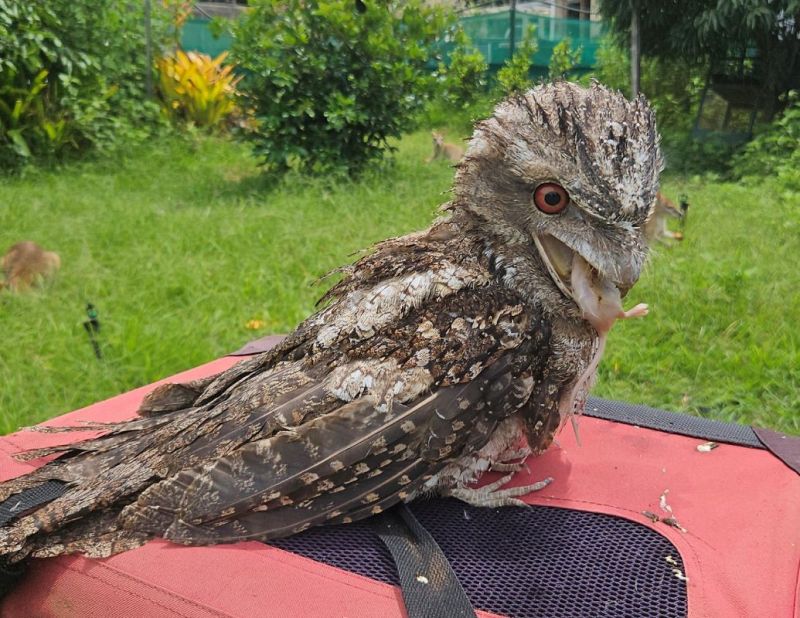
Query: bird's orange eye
x=550, y=198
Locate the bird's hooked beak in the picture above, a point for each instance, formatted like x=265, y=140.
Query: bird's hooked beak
x=596, y=292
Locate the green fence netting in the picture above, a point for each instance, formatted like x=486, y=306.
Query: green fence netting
x=489, y=32
x=196, y=36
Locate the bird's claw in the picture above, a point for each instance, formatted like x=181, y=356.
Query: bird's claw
x=492, y=496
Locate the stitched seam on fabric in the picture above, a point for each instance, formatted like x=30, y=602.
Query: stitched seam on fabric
x=338, y=570
x=10, y=440
x=139, y=596
x=8, y=447
x=627, y=510
x=796, y=593
x=152, y=586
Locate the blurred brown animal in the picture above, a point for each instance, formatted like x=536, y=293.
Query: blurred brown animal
x=655, y=228
x=26, y=264
x=444, y=150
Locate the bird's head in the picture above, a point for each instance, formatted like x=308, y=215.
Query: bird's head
x=564, y=178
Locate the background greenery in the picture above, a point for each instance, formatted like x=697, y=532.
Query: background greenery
x=182, y=243
x=710, y=33
x=329, y=84
x=188, y=248
x=72, y=78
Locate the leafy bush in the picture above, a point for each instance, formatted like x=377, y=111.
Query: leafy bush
x=685, y=154
x=28, y=121
x=462, y=96
x=673, y=87
x=563, y=59
x=330, y=83
x=458, y=119
x=775, y=151
x=176, y=13
x=613, y=65
x=196, y=88
x=464, y=76
x=514, y=75
x=71, y=76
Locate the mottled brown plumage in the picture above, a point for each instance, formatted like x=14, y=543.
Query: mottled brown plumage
x=428, y=362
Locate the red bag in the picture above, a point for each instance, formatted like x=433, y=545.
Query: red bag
x=638, y=522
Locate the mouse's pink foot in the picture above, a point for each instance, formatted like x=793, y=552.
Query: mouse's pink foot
x=639, y=311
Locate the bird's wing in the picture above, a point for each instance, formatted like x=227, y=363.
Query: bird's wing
x=352, y=412
x=412, y=398
x=342, y=432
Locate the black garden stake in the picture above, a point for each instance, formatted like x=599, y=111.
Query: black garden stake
x=684, y=206
x=92, y=326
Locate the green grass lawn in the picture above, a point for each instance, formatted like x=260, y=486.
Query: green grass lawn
x=180, y=244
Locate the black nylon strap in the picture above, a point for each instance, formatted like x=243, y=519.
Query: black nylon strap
x=672, y=422
x=15, y=506
x=21, y=503
x=430, y=587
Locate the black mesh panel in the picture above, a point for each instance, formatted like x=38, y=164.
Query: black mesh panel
x=526, y=562
x=672, y=422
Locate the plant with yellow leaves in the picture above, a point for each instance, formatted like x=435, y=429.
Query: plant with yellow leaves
x=197, y=88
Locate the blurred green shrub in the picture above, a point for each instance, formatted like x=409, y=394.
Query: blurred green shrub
x=514, y=75
x=463, y=77
x=775, y=151
x=673, y=87
x=686, y=155
x=331, y=80
x=72, y=76
x=462, y=95
x=563, y=59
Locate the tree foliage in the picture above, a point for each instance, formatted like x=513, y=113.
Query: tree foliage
x=673, y=86
x=514, y=75
x=563, y=60
x=775, y=150
x=464, y=75
x=711, y=31
x=330, y=84
x=71, y=76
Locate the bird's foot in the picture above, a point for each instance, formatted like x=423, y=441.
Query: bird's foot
x=492, y=496
x=507, y=462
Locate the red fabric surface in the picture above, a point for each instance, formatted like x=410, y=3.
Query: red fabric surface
x=740, y=508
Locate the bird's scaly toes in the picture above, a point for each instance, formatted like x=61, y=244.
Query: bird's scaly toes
x=492, y=496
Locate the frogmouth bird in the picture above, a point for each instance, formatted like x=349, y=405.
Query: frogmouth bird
x=430, y=361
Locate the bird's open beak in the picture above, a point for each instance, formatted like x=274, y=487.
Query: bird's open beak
x=557, y=257
x=597, y=295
